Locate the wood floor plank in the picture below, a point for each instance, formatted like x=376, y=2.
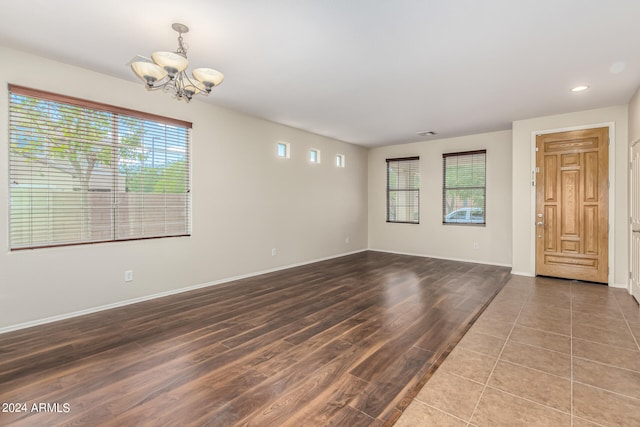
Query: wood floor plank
x=381, y=396
x=347, y=341
x=328, y=403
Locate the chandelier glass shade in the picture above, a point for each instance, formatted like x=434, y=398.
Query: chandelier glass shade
x=166, y=71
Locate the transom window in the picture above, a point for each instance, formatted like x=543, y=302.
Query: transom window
x=314, y=156
x=464, y=187
x=284, y=150
x=84, y=172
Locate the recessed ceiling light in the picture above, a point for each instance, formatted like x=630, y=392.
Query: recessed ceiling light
x=579, y=88
x=426, y=133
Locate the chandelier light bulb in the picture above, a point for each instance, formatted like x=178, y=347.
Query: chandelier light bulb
x=208, y=77
x=149, y=72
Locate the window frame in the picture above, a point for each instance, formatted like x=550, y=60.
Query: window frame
x=446, y=188
x=287, y=150
x=315, y=160
x=415, y=189
x=116, y=115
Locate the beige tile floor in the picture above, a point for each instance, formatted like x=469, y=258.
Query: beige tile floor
x=545, y=352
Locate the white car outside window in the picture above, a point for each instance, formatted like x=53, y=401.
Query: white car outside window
x=466, y=215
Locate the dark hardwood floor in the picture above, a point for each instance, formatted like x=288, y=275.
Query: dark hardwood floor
x=345, y=342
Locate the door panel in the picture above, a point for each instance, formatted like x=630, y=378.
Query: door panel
x=572, y=205
x=591, y=230
x=569, y=206
x=635, y=220
x=550, y=229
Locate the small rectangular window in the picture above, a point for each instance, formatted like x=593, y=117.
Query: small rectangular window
x=314, y=156
x=464, y=187
x=283, y=150
x=340, y=160
x=403, y=190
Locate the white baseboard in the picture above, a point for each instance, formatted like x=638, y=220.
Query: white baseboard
x=522, y=273
x=162, y=294
x=620, y=285
x=441, y=257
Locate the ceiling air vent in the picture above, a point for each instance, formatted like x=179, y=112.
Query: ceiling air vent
x=426, y=133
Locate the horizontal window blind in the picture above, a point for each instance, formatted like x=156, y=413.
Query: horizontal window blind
x=403, y=190
x=84, y=172
x=464, y=187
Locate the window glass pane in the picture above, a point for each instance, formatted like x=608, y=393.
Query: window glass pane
x=282, y=150
x=80, y=174
x=314, y=156
x=464, y=187
x=403, y=190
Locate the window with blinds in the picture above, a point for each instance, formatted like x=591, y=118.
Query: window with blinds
x=83, y=172
x=403, y=190
x=464, y=187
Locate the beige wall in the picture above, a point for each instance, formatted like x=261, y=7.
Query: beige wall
x=634, y=117
x=523, y=205
x=430, y=237
x=245, y=202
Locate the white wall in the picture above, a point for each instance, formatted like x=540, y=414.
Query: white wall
x=245, y=202
x=431, y=237
x=523, y=205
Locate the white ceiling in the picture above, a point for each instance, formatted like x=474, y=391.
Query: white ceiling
x=370, y=72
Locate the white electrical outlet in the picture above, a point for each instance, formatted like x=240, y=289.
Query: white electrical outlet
x=274, y=252
x=128, y=276
x=475, y=245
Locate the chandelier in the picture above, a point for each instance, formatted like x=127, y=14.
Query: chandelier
x=166, y=71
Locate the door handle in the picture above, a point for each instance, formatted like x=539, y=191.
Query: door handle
x=637, y=231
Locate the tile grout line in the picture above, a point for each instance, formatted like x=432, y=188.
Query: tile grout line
x=629, y=326
x=543, y=348
x=592, y=422
x=571, y=286
x=484, y=387
x=603, y=343
x=444, y=412
x=538, y=370
x=570, y=337
x=460, y=376
x=597, y=362
x=529, y=400
x=549, y=332
x=594, y=361
x=617, y=393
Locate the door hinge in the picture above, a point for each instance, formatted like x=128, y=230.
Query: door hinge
x=631, y=275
